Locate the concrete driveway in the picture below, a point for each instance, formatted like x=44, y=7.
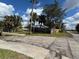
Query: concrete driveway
x=68, y=47
x=26, y=49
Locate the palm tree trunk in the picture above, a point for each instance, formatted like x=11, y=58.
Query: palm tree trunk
x=31, y=18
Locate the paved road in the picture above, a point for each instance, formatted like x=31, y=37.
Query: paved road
x=74, y=43
x=55, y=45
x=33, y=40
x=26, y=49
x=68, y=47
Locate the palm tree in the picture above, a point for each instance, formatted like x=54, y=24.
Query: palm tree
x=34, y=17
x=42, y=20
x=33, y=3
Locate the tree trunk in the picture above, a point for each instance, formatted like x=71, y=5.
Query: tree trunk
x=31, y=18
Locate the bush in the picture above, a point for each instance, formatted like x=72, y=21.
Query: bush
x=40, y=30
x=77, y=28
x=0, y=34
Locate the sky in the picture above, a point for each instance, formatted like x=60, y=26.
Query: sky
x=23, y=8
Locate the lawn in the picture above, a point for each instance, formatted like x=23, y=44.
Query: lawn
x=39, y=34
x=7, y=54
x=62, y=34
x=58, y=34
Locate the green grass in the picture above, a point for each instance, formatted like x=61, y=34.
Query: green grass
x=62, y=34
x=7, y=54
x=39, y=34
x=58, y=34
x=22, y=32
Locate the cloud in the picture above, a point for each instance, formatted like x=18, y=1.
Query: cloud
x=6, y=10
x=25, y=24
x=76, y=22
x=17, y=13
x=72, y=21
x=37, y=10
x=76, y=16
x=38, y=4
x=68, y=26
x=71, y=4
x=25, y=20
x=26, y=16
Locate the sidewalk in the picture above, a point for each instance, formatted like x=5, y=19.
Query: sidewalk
x=75, y=48
x=26, y=49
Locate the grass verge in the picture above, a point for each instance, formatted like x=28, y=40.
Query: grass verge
x=62, y=34
x=58, y=34
x=7, y=54
x=39, y=34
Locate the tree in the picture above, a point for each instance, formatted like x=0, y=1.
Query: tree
x=33, y=3
x=1, y=27
x=34, y=17
x=11, y=23
x=1, y=24
x=7, y=24
x=54, y=13
x=77, y=28
x=17, y=22
x=42, y=20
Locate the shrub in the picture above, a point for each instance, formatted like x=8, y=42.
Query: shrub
x=77, y=28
